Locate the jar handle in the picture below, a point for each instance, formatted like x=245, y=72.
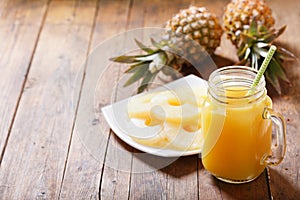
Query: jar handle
x=279, y=141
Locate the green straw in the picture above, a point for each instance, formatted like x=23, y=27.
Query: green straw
x=263, y=66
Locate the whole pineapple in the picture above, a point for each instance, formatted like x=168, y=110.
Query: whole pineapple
x=240, y=13
x=190, y=36
x=249, y=25
x=197, y=24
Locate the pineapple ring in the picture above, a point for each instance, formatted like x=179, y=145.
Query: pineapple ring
x=175, y=137
x=177, y=106
x=177, y=113
x=184, y=138
x=139, y=106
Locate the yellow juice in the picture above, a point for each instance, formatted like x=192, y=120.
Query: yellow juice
x=237, y=138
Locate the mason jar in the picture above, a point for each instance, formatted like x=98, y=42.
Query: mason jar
x=237, y=121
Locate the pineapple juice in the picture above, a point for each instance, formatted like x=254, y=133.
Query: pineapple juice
x=238, y=141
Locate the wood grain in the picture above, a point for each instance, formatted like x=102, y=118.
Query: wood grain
x=54, y=140
x=20, y=24
x=182, y=180
x=117, y=172
x=214, y=188
x=89, y=143
x=284, y=178
x=35, y=156
x=159, y=180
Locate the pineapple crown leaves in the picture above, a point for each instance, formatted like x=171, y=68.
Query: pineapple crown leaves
x=168, y=56
x=254, y=45
x=146, y=66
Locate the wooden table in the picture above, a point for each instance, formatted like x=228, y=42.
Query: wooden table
x=43, y=86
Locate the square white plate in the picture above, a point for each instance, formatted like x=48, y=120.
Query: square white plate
x=118, y=120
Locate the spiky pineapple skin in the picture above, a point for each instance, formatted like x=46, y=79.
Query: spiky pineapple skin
x=239, y=15
x=196, y=24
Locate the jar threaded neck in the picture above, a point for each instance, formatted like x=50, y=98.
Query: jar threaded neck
x=233, y=83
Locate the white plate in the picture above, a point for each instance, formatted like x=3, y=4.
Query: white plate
x=118, y=120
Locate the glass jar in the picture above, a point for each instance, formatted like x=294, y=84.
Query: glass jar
x=237, y=125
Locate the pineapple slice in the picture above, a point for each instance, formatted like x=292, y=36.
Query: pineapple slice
x=177, y=106
x=183, y=137
x=175, y=137
x=183, y=114
x=139, y=106
x=160, y=140
x=176, y=111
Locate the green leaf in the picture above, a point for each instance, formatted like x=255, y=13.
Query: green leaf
x=277, y=69
x=150, y=57
x=286, y=53
x=247, y=39
x=241, y=50
x=261, y=44
x=133, y=68
x=139, y=73
x=267, y=37
x=156, y=44
x=127, y=59
x=253, y=27
x=161, y=58
x=144, y=48
x=274, y=34
x=273, y=80
x=247, y=53
x=263, y=30
x=146, y=81
x=260, y=51
x=254, y=61
x=281, y=30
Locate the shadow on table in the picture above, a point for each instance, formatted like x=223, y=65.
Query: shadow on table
x=256, y=189
x=143, y=162
x=182, y=166
x=173, y=166
x=281, y=187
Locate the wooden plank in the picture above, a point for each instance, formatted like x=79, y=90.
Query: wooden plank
x=147, y=179
x=153, y=183
x=207, y=184
x=284, y=178
x=183, y=174
x=115, y=179
x=210, y=187
x=257, y=189
x=154, y=177
x=182, y=178
x=116, y=172
x=20, y=24
x=34, y=160
x=88, y=150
